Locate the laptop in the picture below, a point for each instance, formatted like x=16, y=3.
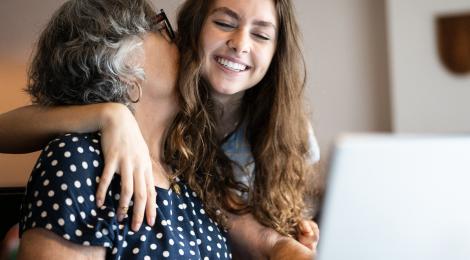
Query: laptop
x=391, y=197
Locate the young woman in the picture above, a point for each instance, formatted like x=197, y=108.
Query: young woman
x=244, y=58
x=96, y=51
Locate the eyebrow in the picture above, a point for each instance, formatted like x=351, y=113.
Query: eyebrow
x=234, y=15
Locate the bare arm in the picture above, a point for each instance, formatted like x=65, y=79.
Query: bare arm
x=29, y=128
x=125, y=151
x=38, y=244
x=251, y=240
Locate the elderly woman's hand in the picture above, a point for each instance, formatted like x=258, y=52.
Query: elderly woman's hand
x=125, y=152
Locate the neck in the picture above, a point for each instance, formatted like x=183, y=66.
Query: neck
x=230, y=114
x=154, y=118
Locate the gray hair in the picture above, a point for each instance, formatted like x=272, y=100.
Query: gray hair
x=83, y=54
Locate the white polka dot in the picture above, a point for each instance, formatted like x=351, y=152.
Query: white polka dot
x=97, y=179
x=181, y=252
x=209, y=238
x=153, y=246
x=124, y=244
x=39, y=203
x=95, y=141
x=171, y=242
x=66, y=236
x=75, y=139
x=219, y=245
x=210, y=228
x=42, y=173
x=202, y=211
x=67, y=154
x=68, y=201
x=201, y=231
x=147, y=257
x=39, y=165
x=73, y=168
x=164, y=223
x=45, y=183
x=78, y=233
x=115, y=250
x=54, y=163
x=192, y=252
x=92, y=198
x=36, y=193
x=34, y=224
x=209, y=248
x=96, y=163
x=166, y=254
x=61, y=221
x=80, y=199
x=91, y=148
x=85, y=165
x=191, y=243
x=72, y=217
x=43, y=214
x=61, y=145
x=80, y=150
x=180, y=229
x=111, y=214
x=198, y=241
x=191, y=223
x=192, y=233
x=86, y=243
x=218, y=255
x=98, y=234
x=50, y=154
x=83, y=215
x=159, y=235
x=206, y=258
x=143, y=238
x=77, y=184
x=180, y=218
x=194, y=194
x=48, y=226
x=59, y=173
x=55, y=206
x=105, y=231
x=63, y=187
x=135, y=251
x=181, y=243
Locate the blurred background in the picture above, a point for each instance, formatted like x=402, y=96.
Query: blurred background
x=373, y=66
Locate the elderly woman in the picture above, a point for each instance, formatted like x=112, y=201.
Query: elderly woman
x=99, y=51
x=120, y=51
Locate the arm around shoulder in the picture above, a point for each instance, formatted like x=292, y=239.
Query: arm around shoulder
x=29, y=128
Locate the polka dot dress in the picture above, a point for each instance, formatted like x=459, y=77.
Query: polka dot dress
x=60, y=197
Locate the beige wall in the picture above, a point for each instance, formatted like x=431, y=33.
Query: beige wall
x=345, y=51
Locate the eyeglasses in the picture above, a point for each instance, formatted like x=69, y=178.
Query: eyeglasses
x=162, y=23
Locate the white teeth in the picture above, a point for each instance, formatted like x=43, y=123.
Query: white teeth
x=231, y=65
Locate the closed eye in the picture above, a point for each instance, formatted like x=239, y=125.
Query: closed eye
x=261, y=37
x=224, y=25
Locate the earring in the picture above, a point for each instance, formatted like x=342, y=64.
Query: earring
x=140, y=93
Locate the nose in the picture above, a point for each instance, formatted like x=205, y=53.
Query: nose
x=239, y=42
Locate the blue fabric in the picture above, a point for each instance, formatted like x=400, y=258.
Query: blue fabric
x=60, y=198
x=237, y=148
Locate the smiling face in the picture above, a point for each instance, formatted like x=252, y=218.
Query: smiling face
x=238, y=40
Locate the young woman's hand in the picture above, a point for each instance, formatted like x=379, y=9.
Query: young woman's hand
x=308, y=234
x=125, y=152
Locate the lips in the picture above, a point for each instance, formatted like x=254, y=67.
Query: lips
x=232, y=65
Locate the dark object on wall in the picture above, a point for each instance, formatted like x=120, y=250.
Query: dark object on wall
x=10, y=201
x=453, y=35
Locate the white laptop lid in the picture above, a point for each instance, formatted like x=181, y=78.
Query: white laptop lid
x=397, y=197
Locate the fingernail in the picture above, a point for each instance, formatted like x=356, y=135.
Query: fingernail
x=152, y=222
x=136, y=226
x=99, y=202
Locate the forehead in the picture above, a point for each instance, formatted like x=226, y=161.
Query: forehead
x=260, y=10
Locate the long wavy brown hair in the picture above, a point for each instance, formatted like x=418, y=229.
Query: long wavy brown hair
x=276, y=127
